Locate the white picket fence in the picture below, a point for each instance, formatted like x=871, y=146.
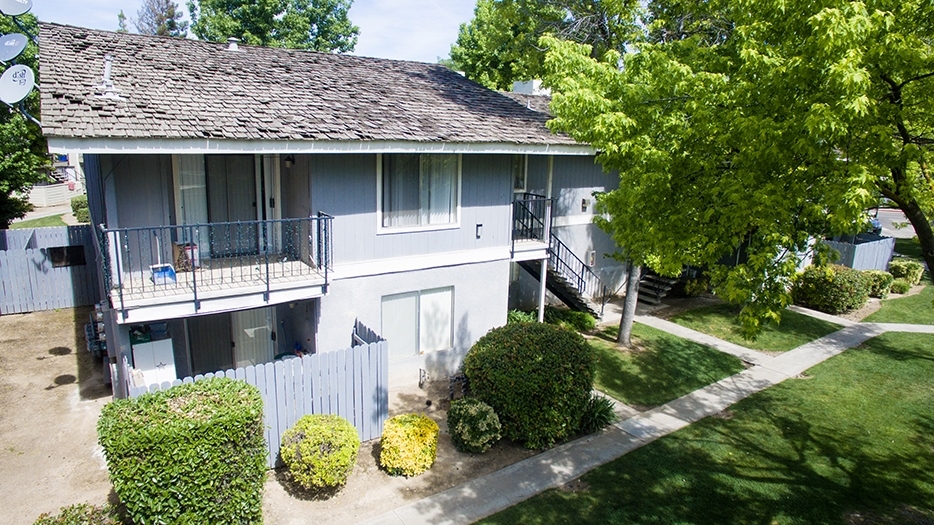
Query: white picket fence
x=352, y=383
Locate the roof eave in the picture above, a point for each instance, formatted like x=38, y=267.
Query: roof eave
x=270, y=147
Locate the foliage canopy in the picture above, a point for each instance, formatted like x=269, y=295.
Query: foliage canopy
x=755, y=125
x=23, y=149
x=317, y=25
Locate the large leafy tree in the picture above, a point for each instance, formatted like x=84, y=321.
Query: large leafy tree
x=23, y=150
x=319, y=25
x=160, y=17
x=756, y=126
x=500, y=45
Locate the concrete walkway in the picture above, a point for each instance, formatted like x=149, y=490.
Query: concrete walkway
x=500, y=490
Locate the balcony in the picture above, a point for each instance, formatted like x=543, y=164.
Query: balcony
x=531, y=226
x=163, y=272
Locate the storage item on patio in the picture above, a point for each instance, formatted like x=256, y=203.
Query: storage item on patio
x=185, y=255
x=162, y=274
x=156, y=361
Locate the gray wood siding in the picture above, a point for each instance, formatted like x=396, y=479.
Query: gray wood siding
x=139, y=190
x=345, y=186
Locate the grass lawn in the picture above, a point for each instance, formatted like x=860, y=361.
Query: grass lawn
x=720, y=321
x=42, y=222
x=665, y=368
x=909, y=248
x=851, y=445
x=915, y=309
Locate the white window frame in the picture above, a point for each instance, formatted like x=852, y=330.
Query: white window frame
x=525, y=176
x=384, y=230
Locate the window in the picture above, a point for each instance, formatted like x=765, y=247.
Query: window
x=419, y=190
x=418, y=322
x=520, y=173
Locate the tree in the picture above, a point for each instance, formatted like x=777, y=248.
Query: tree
x=500, y=45
x=121, y=23
x=319, y=25
x=758, y=127
x=23, y=150
x=160, y=17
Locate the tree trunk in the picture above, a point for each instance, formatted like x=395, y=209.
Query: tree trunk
x=923, y=230
x=629, y=306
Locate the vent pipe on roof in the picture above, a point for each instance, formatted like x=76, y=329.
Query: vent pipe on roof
x=232, y=44
x=106, y=88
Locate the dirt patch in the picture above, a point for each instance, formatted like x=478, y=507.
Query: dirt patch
x=52, y=392
x=872, y=306
x=369, y=490
x=677, y=305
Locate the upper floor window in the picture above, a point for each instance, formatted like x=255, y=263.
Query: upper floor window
x=419, y=190
x=520, y=173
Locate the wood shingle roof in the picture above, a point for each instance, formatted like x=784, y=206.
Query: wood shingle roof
x=174, y=88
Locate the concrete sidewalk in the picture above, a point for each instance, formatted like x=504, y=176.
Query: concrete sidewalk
x=500, y=490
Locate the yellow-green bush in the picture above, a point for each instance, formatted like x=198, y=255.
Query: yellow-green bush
x=320, y=450
x=81, y=514
x=906, y=269
x=409, y=444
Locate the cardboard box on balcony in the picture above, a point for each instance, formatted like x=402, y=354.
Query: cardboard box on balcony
x=162, y=274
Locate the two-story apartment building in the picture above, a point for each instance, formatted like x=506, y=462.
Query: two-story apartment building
x=251, y=202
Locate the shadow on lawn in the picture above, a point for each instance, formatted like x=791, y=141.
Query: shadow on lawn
x=779, y=469
x=663, y=368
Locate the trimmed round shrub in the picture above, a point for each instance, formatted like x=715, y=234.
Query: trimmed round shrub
x=474, y=425
x=81, y=514
x=409, y=444
x=830, y=289
x=320, y=450
x=696, y=287
x=900, y=286
x=879, y=282
x=906, y=269
x=537, y=377
x=195, y=453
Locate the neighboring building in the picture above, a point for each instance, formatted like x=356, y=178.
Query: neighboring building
x=258, y=200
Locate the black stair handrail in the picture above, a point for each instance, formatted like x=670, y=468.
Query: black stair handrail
x=576, y=272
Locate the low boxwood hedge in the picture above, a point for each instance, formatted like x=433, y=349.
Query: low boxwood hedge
x=192, y=454
x=906, y=269
x=474, y=425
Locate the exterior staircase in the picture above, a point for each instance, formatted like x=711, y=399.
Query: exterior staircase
x=653, y=287
x=567, y=276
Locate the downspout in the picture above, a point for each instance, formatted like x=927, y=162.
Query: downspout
x=547, y=238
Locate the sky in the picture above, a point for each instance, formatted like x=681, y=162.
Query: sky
x=420, y=30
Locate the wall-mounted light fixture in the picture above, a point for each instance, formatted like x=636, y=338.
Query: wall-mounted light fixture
x=289, y=161
x=585, y=203
x=479, y=230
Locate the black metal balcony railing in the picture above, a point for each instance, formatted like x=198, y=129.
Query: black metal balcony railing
x=192, y=259
x=528, y=217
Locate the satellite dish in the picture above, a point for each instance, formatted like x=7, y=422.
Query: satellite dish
x=15, y=7
x=16, y=83
x=12, y=45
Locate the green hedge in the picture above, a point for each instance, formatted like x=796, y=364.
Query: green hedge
x=192, y=454
x=409, y=444
x=900, y=286
x=474, y=425
x=570, y=319
x=320, y=450
x=537, y=377
x=79, y=207
x=906, y=269
x=518, y=316
x=879, y=282
x=830, y=289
